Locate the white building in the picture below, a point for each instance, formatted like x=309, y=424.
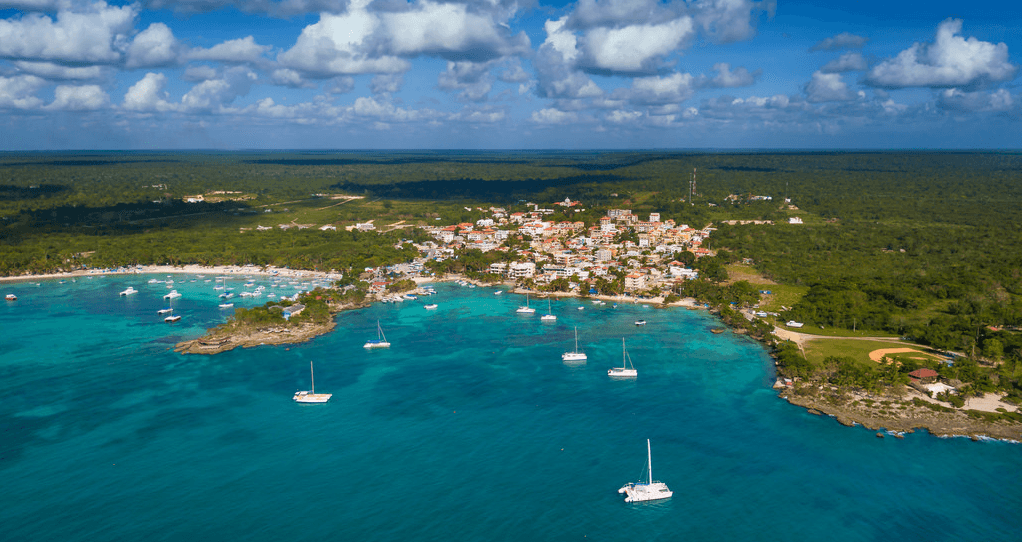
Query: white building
x=519, y=270
x=635, y=281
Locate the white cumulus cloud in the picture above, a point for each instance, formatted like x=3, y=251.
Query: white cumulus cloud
x=999, y=101
x=553, y=116
x=449, y=30
x=828, y=87
x=213, y=94
x=657, y=90
x=726, y=78
x=725, y=21
x=78, y=98
x=148, y=95
x=91, y=34
x=49, y=70
x=635, y=48
x=335, y=46
x=848, y=62
x=950, y=61
x=154, y=46
x=18, y=92
x=240, y=50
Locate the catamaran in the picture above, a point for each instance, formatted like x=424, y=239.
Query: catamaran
x=526, y=309
x=626, y=370
x=549, y=316
x=380, y=341
x=648, y=491
x=574, y=355
x=311, y=396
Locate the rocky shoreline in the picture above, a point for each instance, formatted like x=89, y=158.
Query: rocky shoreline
x=214, y=342
x=230, y=336
x=899, y=414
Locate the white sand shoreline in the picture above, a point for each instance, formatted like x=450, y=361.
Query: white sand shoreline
x=179, y=269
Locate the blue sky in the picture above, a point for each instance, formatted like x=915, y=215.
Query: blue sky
x=506, y=74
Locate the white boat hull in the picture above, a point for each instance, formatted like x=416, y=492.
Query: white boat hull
x=574, y=356
x=372, y=344
x=622, y=372
x=646, y=492
x=306, y=397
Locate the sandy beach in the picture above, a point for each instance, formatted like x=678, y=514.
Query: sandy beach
x=181, y=269
x=509, y=287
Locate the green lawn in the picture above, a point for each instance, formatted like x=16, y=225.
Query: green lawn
x=827, y=331
x=781, y=295
x=818, y=350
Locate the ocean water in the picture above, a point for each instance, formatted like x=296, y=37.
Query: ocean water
x=468, y=428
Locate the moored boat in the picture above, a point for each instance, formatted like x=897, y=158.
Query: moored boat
x=575, y=355
x=626, y=370
x=380, y=341
x=311, y=396
x=649, y=490
x=526, y=309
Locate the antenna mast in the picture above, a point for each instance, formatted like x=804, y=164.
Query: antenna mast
x=692, y=187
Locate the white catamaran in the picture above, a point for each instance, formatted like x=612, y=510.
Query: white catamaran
x=526, y=309
x=380, y=341
x=311, y=396
x=626, y=370
x=574, y=355
x=649, y=490
x=549, y=316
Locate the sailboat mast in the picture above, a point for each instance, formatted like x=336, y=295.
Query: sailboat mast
x=313, y=374
x=649, y=458
x=576, y=339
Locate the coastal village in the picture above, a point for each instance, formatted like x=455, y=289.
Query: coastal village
x=643, y=247
x=537, y=250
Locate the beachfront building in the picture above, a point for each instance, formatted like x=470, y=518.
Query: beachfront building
x=635, y=282
x=521, y=270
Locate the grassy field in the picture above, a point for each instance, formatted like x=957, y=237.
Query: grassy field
x=836, y=331
x=817, y=351
x=780, y=295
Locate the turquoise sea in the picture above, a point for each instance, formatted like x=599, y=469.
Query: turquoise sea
x=469, y=428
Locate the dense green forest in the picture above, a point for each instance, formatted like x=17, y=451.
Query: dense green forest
x=923, y=244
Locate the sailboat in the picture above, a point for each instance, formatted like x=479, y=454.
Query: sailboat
x=549, y=316
x=626, y=370
x=648, y=491
x=526, y=309
x=172, y=317
x=380, y=341
x=311, y=396
x=575, y=355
